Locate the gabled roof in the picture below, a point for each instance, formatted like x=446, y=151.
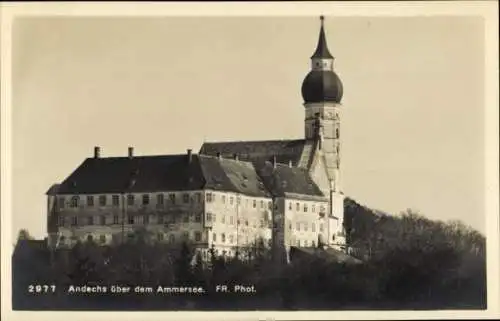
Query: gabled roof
x=142, y=174
x=282, y=180
x=232, y=175
x=258, y=151
x=137, y=174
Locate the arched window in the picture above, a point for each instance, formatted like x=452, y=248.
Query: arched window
x=74, y=201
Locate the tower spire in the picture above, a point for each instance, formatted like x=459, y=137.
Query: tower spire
x=322, y=48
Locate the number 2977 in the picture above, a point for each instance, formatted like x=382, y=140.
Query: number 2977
x=38, y=288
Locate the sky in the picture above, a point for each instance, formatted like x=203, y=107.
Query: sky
x=413, y=106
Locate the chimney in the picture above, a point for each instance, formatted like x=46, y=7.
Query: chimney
x=97, y=152
x=218, y=155
x=130, y=152
x=235, y=156
x=274, y=161
x=190, y=155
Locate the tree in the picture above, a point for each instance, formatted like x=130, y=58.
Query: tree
x=24, y=235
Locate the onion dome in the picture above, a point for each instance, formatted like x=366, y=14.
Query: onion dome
x=322, y=84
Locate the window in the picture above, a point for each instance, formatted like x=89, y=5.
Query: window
x=290, y=206
x=305, y=208
x=197, y=217
x=197, y=236
x=185, y=218
x=145, y=199
x=223, y=199
x=130, y=200
x=198, y=197
x=246, y=202
x=246, y=222
x=209, y=197
x=116, y=200
x=313, y=227
x=298, y=242
x=185, y=198
x=290, y=226
x=261, y=204
x=231, y=220
x=90, y=238
x=102, y=220
x=172, y=198
x=145, y=219
x=298, y=226
x=61, y=202
x=223, y=238
x=254, y=203
x=298, y=206
x=261, y=223
x=102, y=200
x=305, y=226
x=322, y=209
x=74, y=201
x=231, y=238
x=214, y=217
x=62, y=239
x=61, y=221
x=90, y=200
x=171, y=238
x=131, y=219
x=231, y=200
x=115, y=219
x=337, y=134
x=214, y=237
x=305, y=242
x=321, y=227
x=269, y=205
x=223, y=219
x=314, y=208
x=313, y=244
x=160, y=237
x=160, y=199
x=102, y=238
x=209, y=217
x=238, y=200
x=90, y=220
x=185, y=235
x=160, y=219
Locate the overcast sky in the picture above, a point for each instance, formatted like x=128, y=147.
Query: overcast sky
x=412, y=122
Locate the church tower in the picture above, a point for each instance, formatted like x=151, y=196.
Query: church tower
x=322, y=93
